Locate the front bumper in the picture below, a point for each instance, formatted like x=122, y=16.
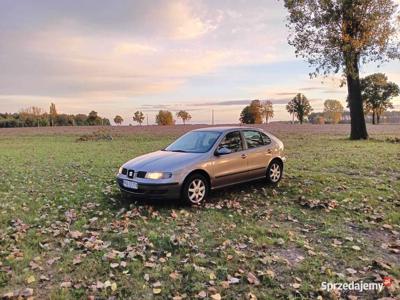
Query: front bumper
x=152, y=190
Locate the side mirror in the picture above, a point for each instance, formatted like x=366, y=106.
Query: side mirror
x=223, y=151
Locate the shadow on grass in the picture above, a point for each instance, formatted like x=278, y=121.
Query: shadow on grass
x=123, y=201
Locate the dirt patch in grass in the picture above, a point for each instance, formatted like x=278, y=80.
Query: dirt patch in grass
x=380, y=240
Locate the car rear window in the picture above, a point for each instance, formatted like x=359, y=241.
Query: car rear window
x=255, y=139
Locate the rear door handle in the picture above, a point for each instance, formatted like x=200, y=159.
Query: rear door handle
x=269, y=151
x=243, y=156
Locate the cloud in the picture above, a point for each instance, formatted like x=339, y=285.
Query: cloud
x=184, y=23
x=130, y=48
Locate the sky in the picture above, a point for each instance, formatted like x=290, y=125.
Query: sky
x=116, y=57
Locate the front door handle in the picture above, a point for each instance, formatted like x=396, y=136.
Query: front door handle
x=243, y=156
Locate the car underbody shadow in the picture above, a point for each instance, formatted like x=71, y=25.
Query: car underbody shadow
x=237, y=190
x=126, y=201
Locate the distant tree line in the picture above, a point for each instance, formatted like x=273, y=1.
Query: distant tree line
x=164, y=117
x=36, y=117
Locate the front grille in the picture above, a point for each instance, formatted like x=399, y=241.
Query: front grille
x=131, y=173
x=141, y=174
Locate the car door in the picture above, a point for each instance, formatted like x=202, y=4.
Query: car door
x=230, y=168
x=258, y=151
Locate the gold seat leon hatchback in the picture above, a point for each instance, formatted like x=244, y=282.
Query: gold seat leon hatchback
x=202, y=160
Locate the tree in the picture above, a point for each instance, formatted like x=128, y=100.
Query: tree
x=338, y=35
x=105, y=122
x=53, y=114
x=184, y=115
x=64, y=120
x=333, y=111
x=138, y=117
x=256, y=109
x=267, y=110
x=81, y=120
x=118, y=120
x=300, y=107
x=31, y=115
x=245, y=116
x=376, y=92
x=252, y=114
x=94, y=119
x=164, y=117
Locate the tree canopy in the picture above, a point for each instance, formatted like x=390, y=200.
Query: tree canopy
x=53, y=114
x=333, y=111
x=118, y=120
x=164, y=117
x=138, y=117
x=376, y=92
x=184, y=115
x=299, y=107
x=252, y=114
x=267, y=110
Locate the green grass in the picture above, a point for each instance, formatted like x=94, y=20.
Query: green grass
x=248, y=228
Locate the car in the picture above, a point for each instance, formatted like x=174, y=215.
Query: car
x=203, y=160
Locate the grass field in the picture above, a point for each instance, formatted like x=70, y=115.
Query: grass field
x=65, y=232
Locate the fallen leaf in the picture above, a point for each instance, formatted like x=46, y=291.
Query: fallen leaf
x=216, y=297
x=26, y=293
x=252, y=279
x=296, y=285
x=114, y=286
x=351, y=271
x=156, y=291
x=66, y=284
x=270, y=273
x=202, y=294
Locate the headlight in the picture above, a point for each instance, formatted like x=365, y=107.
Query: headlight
x=158, y=175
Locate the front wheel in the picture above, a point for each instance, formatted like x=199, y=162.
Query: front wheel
x=274, y=172
x=195, y=189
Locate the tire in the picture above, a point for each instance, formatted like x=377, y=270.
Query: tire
x=195, y=189
x=274, y=172
x=126, y=195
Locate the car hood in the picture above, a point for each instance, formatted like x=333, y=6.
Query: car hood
x=163, y=161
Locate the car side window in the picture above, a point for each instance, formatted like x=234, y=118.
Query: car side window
x=253, y=139
x=232, y=141
x=266, y=139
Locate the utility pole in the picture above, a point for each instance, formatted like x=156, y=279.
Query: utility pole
x=147, y=119
x=212, y=117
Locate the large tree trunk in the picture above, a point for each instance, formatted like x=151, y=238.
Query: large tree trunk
x=358, y=127
x=373, y=117
x=378, y=118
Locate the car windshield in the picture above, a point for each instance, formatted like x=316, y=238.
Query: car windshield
x=194, y=142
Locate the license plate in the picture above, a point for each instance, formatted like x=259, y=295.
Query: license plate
x=130, y=184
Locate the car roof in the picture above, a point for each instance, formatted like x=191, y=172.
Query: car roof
x=225, y=128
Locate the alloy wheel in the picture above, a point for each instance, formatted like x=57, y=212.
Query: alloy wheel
x=196, y=191
x=275, y=172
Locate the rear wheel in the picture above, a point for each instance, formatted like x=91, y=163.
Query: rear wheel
x=195, y=189
x=274, y=172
